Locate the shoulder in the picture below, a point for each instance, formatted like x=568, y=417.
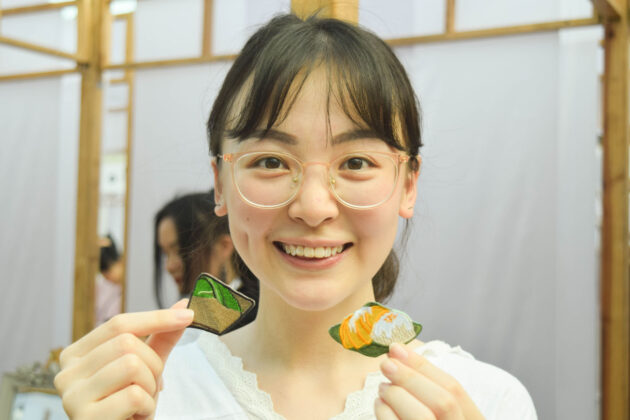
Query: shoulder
x=497, y=393
x=191, y=387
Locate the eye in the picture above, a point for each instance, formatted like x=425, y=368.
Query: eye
x=269, y=162
x=356, y=163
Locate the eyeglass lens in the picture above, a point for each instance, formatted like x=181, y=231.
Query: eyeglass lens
x=363, y=179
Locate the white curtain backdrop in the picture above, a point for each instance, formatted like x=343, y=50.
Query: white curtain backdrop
x=502, y=255
x=38, y=170
x=39, y=120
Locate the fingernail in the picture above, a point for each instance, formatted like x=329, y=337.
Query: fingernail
x=388, y=367
x=398, y=351
x=184, y=314
x=382, y=388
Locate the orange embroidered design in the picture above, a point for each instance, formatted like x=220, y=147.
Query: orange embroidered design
x=373, y=327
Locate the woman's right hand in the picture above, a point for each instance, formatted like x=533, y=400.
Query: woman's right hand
x=111, y=373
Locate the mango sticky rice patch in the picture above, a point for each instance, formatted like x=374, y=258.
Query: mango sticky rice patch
x=373, y=327
x=218, y=308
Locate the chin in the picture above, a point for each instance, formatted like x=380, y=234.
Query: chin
x=319, y=298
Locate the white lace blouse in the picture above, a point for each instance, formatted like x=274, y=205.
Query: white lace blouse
x=203, y=380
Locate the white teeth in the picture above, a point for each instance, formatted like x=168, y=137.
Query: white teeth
x=308, y=252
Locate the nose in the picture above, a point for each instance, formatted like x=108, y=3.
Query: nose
x=314, y=203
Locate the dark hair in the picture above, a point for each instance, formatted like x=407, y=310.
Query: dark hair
x=109, y=254
x=364, y=76
x=197, y=230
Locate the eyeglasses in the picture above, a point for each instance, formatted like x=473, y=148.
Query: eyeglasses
x=359, y=180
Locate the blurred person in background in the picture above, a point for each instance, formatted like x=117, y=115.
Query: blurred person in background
x=190, y=239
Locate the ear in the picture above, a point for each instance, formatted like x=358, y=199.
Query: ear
x=221, y=208
x=409, y=194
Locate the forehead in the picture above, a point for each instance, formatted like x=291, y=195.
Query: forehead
x=314, y=104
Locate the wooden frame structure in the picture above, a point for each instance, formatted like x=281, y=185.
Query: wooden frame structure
x=93, y=27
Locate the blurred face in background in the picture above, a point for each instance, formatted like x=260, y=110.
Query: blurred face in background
x=169, y=244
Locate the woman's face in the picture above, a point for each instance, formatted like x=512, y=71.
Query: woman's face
x=168, y=243
x=314, y=219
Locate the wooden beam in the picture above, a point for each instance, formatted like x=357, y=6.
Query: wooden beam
x=450, y=16
x=615, y=291
x=36, y=48
x=494, y=32
x=86, y=249
x=170, y=62
x=608, y=9
x=36, y=8
x=36, y=75
x=347, y=10
x=206, y=41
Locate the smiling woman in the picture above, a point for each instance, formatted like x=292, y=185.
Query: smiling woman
x=315, y=135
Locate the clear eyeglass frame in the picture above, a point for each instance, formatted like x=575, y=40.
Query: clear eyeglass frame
x=397, y=160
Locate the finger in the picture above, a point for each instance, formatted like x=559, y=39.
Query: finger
x=438, y=376
x=405, y=405
x=130, y=401
x=383, y=412
x=119, y=374
x=442, y=404
x=138, y=324
x=163, y=342
x=106, y=353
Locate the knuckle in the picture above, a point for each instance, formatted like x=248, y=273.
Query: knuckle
x=59, y=381
x=445, y=405
x=420, y=362
x=454, y=388
x=63, y=357
x=131, y=363
x=116, y=324
x=136, y=396
x=67, y=407
x=71, y=401
x=126, y=343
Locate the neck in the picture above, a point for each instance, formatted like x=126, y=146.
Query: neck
x=289, y=338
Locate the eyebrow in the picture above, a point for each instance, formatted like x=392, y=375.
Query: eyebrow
x=281, y=136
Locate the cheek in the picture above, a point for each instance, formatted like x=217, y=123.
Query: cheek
x=377, y=231
x=248, y=227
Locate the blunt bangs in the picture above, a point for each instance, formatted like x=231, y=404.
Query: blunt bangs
x=364, y=77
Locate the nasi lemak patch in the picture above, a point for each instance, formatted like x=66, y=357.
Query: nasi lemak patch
x=373, y=327
x=218, y=308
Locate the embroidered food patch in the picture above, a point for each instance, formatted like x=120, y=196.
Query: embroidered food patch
x=372, y=328
x=218, y=308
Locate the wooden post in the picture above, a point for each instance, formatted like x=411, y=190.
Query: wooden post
x=347, y=10
x=206, y=41
x=449, y=27
x=129, y=77
x=86, y=258
x=615, y=293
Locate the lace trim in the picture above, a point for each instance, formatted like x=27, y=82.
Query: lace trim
x=243, y=384
x=258, y=404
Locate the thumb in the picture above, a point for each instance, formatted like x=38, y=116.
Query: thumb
x=162, y=343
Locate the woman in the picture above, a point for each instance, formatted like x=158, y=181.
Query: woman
x=190, y=239
x=316, y=136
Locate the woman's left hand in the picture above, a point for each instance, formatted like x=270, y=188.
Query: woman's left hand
x=419, y=390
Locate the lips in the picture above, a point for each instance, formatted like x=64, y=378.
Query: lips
x=308, y=252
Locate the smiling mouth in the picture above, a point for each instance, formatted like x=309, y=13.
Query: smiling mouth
x=308, y=252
